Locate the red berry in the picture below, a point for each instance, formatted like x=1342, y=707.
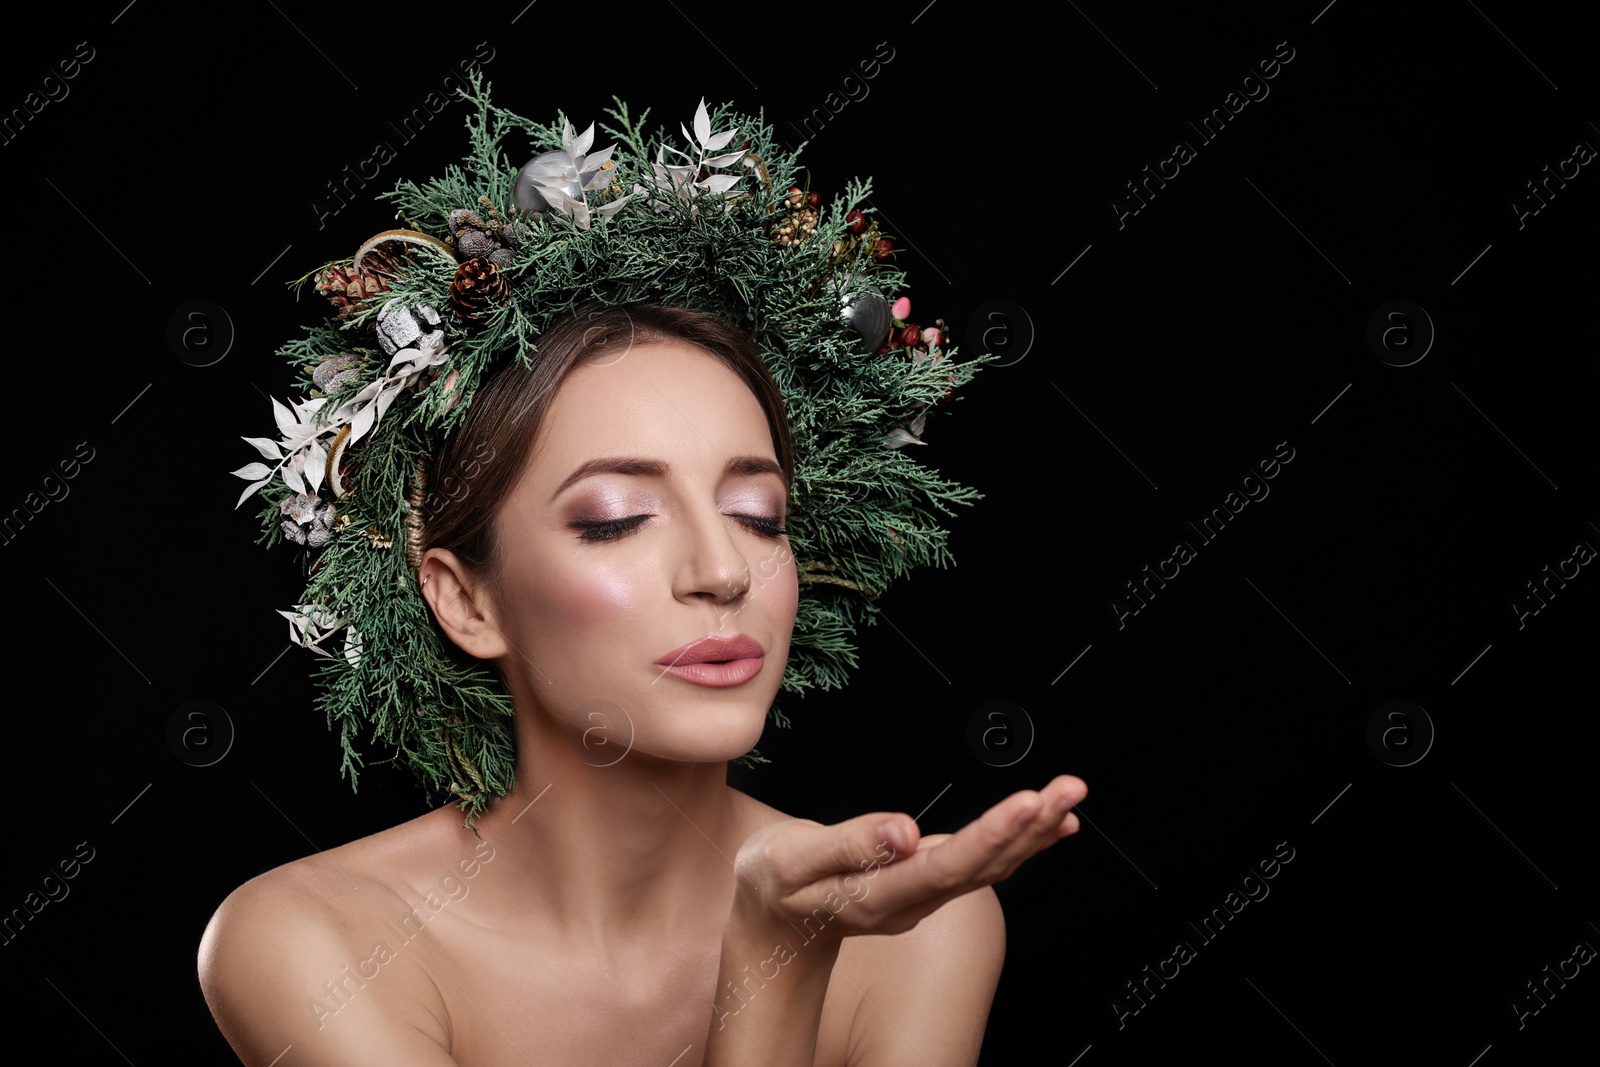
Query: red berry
x=855, y=222
x=884, y=248
x=797, y=196
x=911, y=336
x=814, y=201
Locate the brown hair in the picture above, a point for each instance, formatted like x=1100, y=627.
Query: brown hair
x=466, y=487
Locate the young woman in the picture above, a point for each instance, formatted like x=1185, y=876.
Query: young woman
x=620, y=557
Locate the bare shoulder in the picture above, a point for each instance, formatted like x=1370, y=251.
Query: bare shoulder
x=295, y=958
x=930, y=987
x=968, y=934
x=927, y=988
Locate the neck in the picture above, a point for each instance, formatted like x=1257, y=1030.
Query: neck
x=602, y=842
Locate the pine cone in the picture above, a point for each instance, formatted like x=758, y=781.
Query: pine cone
x=334, y=371
x=347, y=290
x=478, y=287
x=388, y=260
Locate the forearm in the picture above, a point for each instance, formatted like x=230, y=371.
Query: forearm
x=770, y=990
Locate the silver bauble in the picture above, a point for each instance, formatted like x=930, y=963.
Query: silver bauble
x=555, y=171
x=867, y=313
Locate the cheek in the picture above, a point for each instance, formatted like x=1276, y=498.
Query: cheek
x=790, y=592
x=586, y=594
x=779, y=584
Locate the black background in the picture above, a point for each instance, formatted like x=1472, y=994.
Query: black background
x=1230, y=314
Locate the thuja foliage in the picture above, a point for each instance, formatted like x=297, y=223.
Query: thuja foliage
x=679, y=216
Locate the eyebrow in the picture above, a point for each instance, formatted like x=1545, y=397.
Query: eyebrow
x=654, y=468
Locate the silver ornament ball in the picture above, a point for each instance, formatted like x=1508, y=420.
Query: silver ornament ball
x=867, y=313
x=555, y=171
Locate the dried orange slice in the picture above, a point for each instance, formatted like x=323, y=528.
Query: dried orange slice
x=335, y=461
x=401, y=237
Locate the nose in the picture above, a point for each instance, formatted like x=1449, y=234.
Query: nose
x=712, y=566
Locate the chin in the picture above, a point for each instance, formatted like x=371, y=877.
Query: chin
x=706, y=735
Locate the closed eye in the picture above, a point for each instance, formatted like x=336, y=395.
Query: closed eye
x=611, y=529
x=608, y=529
x=765, y=525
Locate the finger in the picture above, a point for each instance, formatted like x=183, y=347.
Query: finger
x=990, y=848
x=973, y=856
x=1074, y=790
x=1056, y=818
x=809, y=854
x=1064, y=793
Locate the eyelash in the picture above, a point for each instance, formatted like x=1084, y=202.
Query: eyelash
x=610, y=530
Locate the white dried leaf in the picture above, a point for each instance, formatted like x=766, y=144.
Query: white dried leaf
x=581, y=145
x=720, y=183
x=266, y=446
x=720, y=141
x=702, y=124
x=386, y=398
x=250, y=489
x=309, y=413
x=360, y=423
x=253, y=471
x=292, y=479
x=287, y=423
x=397, y=365
x=316, y=465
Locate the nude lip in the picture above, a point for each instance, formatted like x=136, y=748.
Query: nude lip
x=715, y=662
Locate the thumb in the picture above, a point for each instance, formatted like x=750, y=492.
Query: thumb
x=898, y=831
x=857, y=844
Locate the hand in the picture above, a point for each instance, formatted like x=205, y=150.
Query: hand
x=875, y=874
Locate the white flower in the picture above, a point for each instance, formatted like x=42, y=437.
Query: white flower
x=310, y=625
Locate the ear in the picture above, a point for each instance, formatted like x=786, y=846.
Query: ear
x=462, y=605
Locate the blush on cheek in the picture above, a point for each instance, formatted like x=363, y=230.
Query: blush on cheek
x=789, y=589
x=591, y=595
x=777, y=582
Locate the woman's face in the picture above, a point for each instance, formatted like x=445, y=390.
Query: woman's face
x=647, y=593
